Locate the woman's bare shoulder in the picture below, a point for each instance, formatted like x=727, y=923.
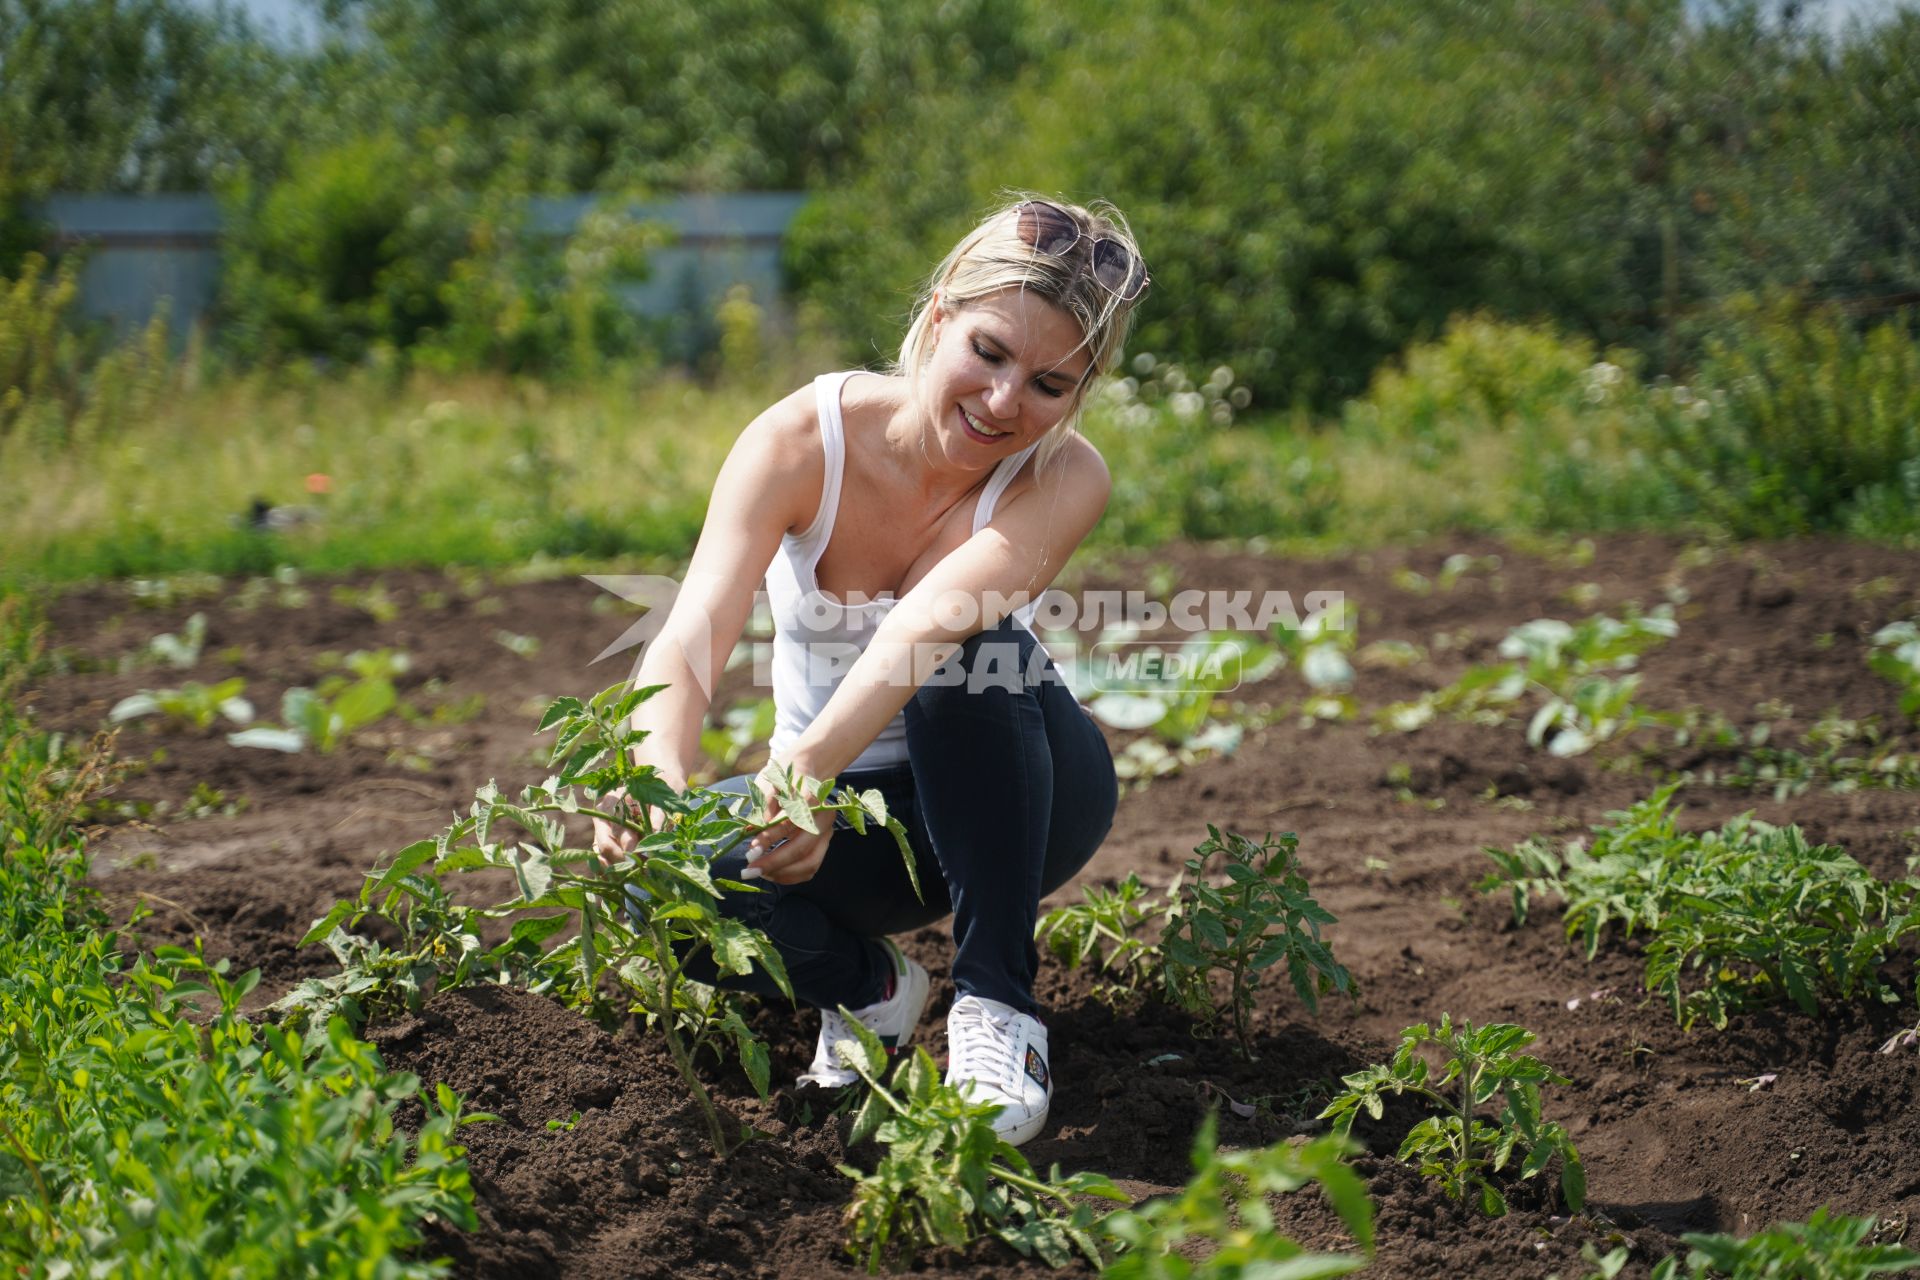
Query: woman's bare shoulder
x=783, y=444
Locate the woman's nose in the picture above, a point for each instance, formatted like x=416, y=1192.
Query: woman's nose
x=1003, y=397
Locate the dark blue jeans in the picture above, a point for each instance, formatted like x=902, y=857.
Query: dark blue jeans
x=1008, y=791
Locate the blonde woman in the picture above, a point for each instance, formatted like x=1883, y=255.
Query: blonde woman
x=899, y=520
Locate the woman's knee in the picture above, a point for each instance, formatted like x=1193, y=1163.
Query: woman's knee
x=1000, y=662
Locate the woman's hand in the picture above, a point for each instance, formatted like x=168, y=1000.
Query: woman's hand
x=783, y=853
x=615, y=843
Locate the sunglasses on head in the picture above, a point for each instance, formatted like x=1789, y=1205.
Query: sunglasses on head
x=1053, y=231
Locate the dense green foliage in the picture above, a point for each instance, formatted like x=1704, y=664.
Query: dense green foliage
x=1315, y=186
x=147, y=1128
x=1747, y=915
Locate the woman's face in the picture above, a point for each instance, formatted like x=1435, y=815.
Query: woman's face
x=1004, y=371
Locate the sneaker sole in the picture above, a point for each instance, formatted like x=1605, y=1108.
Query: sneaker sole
x=1023, y=1133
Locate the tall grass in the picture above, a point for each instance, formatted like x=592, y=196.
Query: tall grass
x=1796, y=423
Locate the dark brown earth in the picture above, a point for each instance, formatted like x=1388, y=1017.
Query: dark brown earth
x=1674, y=1135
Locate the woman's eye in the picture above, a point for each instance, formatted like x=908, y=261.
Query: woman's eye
x=985, y=354
x=1050, y=390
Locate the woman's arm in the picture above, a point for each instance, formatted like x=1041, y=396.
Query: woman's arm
x=1022, y=549
x=755, y=500
x=757, y=497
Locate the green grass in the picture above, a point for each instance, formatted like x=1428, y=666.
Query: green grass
x=1496, y=429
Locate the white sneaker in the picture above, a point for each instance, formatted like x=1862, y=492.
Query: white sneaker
x=997, y=1054
x=892, y=1019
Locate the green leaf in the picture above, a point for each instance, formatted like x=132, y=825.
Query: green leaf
x=329, y=922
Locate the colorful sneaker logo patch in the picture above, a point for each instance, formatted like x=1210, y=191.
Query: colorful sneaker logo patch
x=1036, y=1066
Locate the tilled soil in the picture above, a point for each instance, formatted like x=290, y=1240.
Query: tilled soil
x=1680, y=1131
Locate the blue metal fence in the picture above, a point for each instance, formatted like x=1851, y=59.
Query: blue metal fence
x=147, y=253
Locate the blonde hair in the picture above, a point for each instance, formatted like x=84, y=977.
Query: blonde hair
x=993, y=257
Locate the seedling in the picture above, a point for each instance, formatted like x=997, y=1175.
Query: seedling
x=1821, y=759
x=371, y=600
x=1224, y=1205
x=1896, y=655
x=1747, y=915
x=193, y=705
x=1824, y=1247
x=1264, y=914
x=1459, y=1146
x=1104, y=926
x=314, y=719
x=946, y=1178
x=181, y=651
x=633, y=926
x=1565, y=666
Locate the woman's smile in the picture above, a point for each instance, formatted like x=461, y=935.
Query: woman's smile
x=979, y=430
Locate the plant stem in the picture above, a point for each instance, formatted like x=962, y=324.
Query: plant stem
x=669, y=977
x=1467, y=1077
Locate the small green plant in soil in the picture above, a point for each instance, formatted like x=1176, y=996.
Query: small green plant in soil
x=323, y=718
x=1896, y=655
x=578, y=929
x=946, y=1179
x=1747, y=915
x=1175, y=693
x=1262, y=916
x=182, y=651
x=1104, y=927
x=1460, y=1146
x=1566, y=668
x=1838, y=753
x=192, y=706
x=1223, y=1209
x=1825, y=1247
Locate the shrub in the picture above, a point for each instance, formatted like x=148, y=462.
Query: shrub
x=1481, y=374
x=59, y=385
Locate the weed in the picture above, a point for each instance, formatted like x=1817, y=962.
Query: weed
x=208, y=801
x=193, y=705
x=1458, y=1146
x=1264, y=914
x=946, y=1178
x=371, y=600
x=149, y=1129
x=520, y=646
x=1224, y=1205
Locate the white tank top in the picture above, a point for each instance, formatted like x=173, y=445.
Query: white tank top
x=815, y=637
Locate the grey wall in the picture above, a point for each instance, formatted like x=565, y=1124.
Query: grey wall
x=145, y=253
